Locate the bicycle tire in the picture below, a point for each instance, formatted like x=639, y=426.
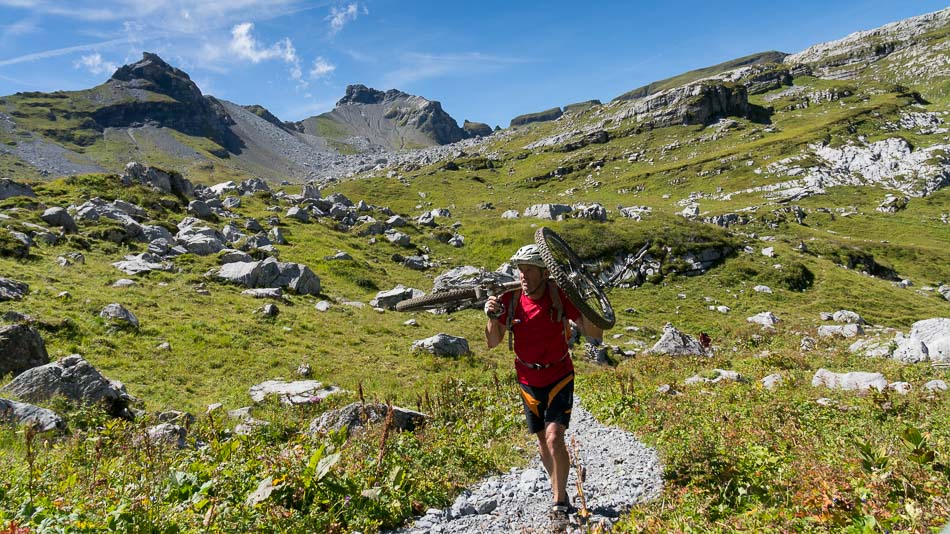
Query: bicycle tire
x=436, y=300
x=567, y=271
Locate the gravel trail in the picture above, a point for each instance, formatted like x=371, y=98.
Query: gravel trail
x=620, y=472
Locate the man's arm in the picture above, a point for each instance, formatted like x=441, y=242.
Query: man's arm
x=495, y=329
x=589, y=329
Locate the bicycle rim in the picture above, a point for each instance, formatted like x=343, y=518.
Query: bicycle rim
x=440, y=300
x=567, y=271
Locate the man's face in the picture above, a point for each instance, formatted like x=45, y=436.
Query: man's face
x=532, y=278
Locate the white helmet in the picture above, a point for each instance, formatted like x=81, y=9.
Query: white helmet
x=528, y=255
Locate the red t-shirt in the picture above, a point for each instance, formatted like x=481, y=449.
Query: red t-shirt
x=539, y=337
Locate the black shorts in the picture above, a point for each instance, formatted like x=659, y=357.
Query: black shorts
x=550, y=404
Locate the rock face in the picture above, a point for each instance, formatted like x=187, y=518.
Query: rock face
x=675, y=343
x=21, y=348
x=186, y=110
x=696, y=103
x=74, y=378
x=21, y=413
x=541, y=116
x=860, y=51
x=391, y=120
x=356, y=415
x=476, y=129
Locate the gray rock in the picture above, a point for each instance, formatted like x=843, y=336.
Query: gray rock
x=389, y=298
x=311, y=190
x=358, y=415
x=143, y=263
x=398, y=238
x=510, y=214
x=165, y=435
x=901, y=388
x=21, y=348
x=765, y=318
x=199, y=209
x=457, y=241
x=166, y=182
x=298, y=392
x=762, y=289
x=118, y=315
x=772, y=381
x=229, y=255
x=12, y=290
x=807, y=344
x=936, y=385
x=945, y=291
x=298, y=214
x=551, y=212
x=675, y=343
x=322, y=306
x=9, y=188
x=270, y=310
x=840, y=330
x=443, y=345
x=75, y=379
x=340, y=255
x=857, y=380
x=20, y=413
x=264, y=293
x=847, y=317
x=276, y=236
x=593, y=212
x=720, y=376
x=124, y=282
x=60, y=218
x=271, y=273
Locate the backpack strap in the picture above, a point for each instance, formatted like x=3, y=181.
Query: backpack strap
x=558, y=306
x=509, y=321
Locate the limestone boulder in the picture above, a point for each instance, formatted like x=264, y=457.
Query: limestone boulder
x=21, y=348
x=119, y=315
x=75, y=379
x=765, y=318
x=357, y=415
x=675, y=343
x=443, y=344
x=21, y=413
x=60, y=218
x=9, y=188
x=389, y=298
x=12, y=290
x=297, y=392
x=551, y=212
x=857, y=380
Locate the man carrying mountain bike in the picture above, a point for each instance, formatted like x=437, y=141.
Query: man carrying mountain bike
x=537, y=318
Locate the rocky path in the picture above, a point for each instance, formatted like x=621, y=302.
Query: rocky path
x=620, y=472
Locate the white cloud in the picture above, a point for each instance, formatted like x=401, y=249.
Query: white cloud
x=95, y=64
x=245, y=46
x=321, y=68
x=58, y=52
x=340, y=17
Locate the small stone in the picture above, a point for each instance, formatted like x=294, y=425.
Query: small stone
x=304, y=369
x=270, y=310
x=322, y=306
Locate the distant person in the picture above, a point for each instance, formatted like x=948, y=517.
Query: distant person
x=536, y=317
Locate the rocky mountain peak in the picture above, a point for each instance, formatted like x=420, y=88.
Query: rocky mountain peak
x=153, y=74
x=360, y=94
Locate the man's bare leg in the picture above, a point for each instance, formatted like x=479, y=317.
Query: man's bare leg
x=555, y=458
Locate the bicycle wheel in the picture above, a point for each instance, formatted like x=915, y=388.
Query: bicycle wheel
x=568, y=273
x=453, y=298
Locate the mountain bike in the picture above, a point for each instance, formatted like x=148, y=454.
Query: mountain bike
x=586, y=292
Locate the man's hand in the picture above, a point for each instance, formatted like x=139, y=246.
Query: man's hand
x=493, y=308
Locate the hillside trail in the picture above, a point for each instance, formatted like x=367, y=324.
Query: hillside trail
x=619, y=472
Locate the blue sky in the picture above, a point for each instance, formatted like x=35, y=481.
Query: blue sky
x=486, y=61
